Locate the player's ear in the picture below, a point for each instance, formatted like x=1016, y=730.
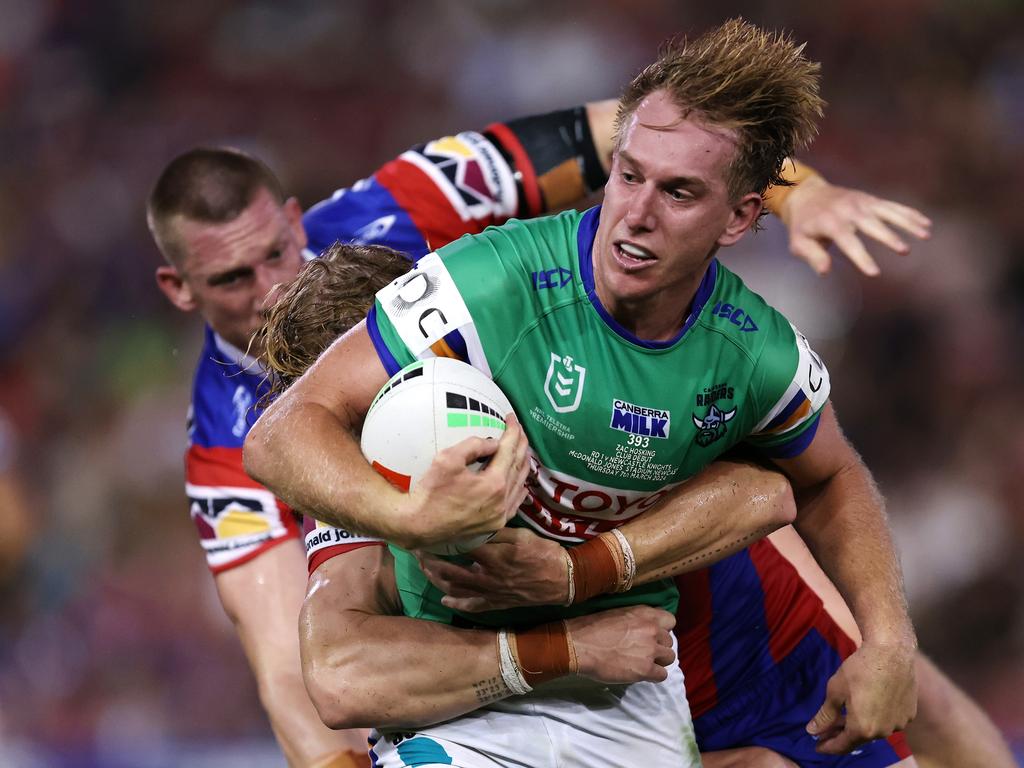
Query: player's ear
x=293, y=212
x=744, y=213
x=175, y=288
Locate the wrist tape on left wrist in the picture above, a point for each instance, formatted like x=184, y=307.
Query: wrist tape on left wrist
x=527, y=659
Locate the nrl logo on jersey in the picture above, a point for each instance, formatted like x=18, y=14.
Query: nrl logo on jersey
x=637, y=420
x=563, y=384
x=712, y=426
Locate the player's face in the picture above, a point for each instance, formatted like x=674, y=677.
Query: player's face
x=666, y=211
x=231, y=269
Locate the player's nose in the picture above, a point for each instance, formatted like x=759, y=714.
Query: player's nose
x=640, y=211
x=269, y=286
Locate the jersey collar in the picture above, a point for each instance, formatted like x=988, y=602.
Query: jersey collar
x=248, y=363
x=585, y=235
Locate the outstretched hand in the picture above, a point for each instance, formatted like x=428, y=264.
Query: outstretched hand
x=819, y=214
x=878, y=690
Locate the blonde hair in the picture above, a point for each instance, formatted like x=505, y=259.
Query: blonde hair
x=330, y=295
x=748, y=80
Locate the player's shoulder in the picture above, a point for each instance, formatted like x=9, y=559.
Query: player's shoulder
x=226, y=392
x=528, y=241
x=520, y=258
x=742, y=316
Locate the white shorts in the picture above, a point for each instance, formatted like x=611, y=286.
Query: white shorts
x=568, y=723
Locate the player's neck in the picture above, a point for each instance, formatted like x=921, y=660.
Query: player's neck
x=658, y=317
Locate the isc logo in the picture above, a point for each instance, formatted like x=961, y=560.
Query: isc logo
x=734, y=315
x=558, y=277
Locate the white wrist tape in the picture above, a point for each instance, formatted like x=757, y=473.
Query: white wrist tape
x=509, y=667
x=628, y=561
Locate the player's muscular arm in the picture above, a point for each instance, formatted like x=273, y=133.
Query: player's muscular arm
x=304, y=449
x=842, y=519
x=262, y=598
x=720, y=511
x=364, y=666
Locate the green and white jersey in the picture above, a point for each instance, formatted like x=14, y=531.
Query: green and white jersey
x=614, y=422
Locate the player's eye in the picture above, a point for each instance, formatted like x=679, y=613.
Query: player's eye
x=629, y=178
x=275, y=254
x=230, y=279
x=678, y=195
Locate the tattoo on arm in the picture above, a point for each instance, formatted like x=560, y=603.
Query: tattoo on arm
x=491, y=689
x=684, y=565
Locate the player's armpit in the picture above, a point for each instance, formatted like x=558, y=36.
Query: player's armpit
x=262, y=597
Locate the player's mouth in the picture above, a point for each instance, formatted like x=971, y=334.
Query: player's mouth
x=632, y=257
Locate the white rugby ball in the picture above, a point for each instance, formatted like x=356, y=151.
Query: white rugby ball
x=424, y=408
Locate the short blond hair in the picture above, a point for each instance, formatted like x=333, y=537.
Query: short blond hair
x=756, y=83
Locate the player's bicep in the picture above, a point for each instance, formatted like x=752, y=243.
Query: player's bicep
x=827, y=454
x=793, y=384
x=361, y=580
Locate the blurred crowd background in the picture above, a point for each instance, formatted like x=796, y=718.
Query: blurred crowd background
x=113, y=648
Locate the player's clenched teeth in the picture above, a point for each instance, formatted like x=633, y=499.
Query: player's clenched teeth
x=628, y=253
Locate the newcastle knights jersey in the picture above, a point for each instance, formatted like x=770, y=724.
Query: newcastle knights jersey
x=425, y=198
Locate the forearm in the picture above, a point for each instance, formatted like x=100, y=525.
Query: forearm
x=601, y=116
x=950, y=728
x=262, y=598
x=444, y=672
x=720, y=511
x=309, y=458
x=843, y=522
x=725, y=508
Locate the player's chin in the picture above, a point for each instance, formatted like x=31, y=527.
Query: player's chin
x=635, y=285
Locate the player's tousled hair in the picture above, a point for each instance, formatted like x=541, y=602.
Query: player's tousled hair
x=206, y=184
x=330, y=295
x=754, y=82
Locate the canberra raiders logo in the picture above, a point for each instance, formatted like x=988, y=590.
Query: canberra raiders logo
x=712, y=426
